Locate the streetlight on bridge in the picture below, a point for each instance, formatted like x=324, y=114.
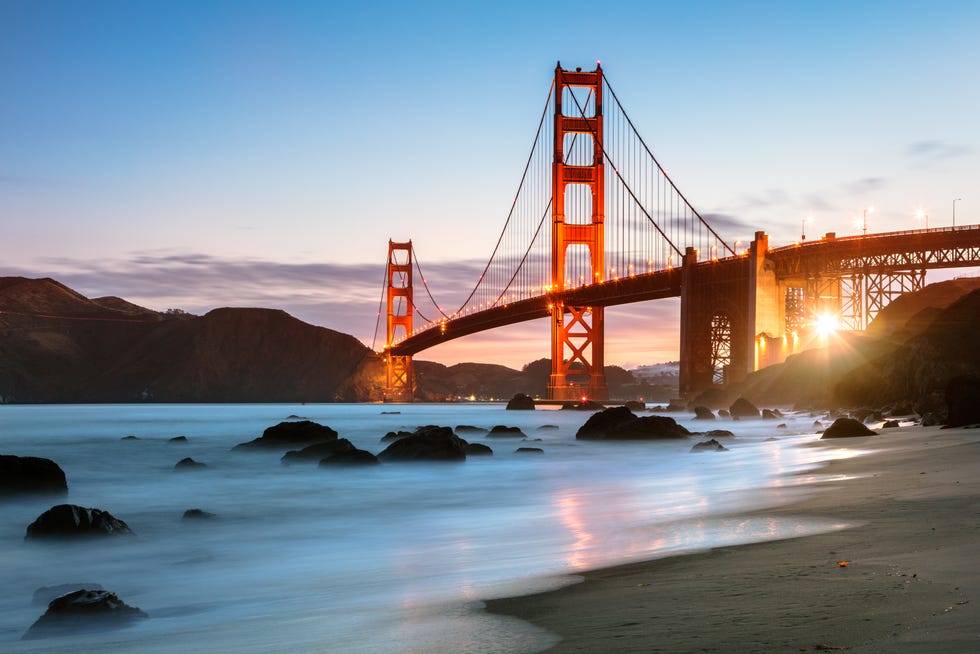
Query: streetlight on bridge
x=922, y=215
x=803, y=224
x=864, y=219
x=954, y=210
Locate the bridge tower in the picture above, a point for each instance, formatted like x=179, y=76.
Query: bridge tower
x=577, y=331
x=400, y=377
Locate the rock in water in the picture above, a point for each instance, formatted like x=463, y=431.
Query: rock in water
x=429, y=443
x=521, y=402
x=318, y=451
x=30, y=474
x=478, y=449
x=742, y=408
x=963, y=401
x=351, y=457
x=619, y=423
x=503, y=430
x=45, y=594
x=709, y=446
x=83, y=610
x=72, y=521
x=703, y=413
x=847, y=428
x=529, y=450
x=187, y=463
x=635, y=405
x=890, y=424
x=198, y=514
x=769, y=414
x=286, y=434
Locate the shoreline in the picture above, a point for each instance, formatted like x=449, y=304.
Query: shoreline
x=911, y=582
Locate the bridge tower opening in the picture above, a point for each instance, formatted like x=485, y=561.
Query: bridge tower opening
x=399, y=377
x=577, y=331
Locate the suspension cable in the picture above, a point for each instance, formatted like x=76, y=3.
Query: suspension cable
x=381, y=302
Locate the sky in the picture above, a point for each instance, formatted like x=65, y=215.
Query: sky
x=195, y=155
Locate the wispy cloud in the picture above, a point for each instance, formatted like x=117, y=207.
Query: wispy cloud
x=864, y=186
x=938, y=150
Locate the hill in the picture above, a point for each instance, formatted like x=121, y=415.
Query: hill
x=59, y=346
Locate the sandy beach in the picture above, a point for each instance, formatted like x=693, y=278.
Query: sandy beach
x=904, y=578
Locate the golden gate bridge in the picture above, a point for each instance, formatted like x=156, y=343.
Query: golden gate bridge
x=596, y=222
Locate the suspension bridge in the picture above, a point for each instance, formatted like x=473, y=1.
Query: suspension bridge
x=597, y=222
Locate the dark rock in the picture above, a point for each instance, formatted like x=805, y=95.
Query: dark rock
x=847, y=428
x=198, y=514
x=724, y=413
x=529, y=450
x=45, y=594
x=817, y=424
x=293, y=416
x=178, y=439
x=703, y=413
x=963, y=401
x=129, y=438
x=478, y=449
x=543, y=427
x=83, y=610
x=769, y=414
x=770, y=439
x=30, y=474
x=72, y=521
x=781, y=425
x=862, y=414
x=188, y=463
x=501, y=430
x=742, y=408
x=634, y=405
x=351, y=457
x=391, y=413
x=619, y=423
x=317, y=451
x=395, y=435
x=709, y=446
x=903, y=409
x=286, y=434
x=469, y=429
x=429, y=443
x=932, y=419
x=719, y=433
x=890, y=424
x=521, y=402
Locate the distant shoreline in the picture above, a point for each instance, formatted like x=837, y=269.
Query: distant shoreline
x=909, y=581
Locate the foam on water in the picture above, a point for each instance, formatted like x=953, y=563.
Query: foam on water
x=390, y=558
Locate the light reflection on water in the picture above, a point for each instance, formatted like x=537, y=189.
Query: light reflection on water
x=367, y=560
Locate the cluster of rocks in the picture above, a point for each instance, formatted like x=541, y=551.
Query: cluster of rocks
x=620, y=423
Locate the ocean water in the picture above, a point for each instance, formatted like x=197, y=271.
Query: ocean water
x=394, y=558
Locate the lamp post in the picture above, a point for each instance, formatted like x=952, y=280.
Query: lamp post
x=954, y=210
x=865, y=219
x=922, y=215
x=803, y=224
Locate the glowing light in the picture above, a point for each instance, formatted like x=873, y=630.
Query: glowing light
x=826, y=324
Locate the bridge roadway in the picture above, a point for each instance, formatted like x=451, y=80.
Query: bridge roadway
x=946, y=247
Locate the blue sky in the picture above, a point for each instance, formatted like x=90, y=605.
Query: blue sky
x=204, y=154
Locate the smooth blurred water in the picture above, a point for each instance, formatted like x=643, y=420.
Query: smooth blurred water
x=392, y=558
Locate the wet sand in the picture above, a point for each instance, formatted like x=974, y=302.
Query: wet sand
x=911, y=582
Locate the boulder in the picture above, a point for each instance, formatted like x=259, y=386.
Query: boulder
x=83, y=610
x=619, y=423
x=521, y=402
x=351, y=457
x=395, y=435
x=742, y=408
x=584, y=405
x=634, y=405
x=709, y=446
x=724, y=413
x=72, y=521
x=317, y=451
x=719, y=433
x=30, y=474
x=130, y=438
x=963, y=401
x=501, y=430
x=197, y=514
x=529, y=450
x=45, y=594
x=890, y=424
x=286, y=434
x=188, y=463
x=468, y=429
x=478, y=449
x=769, y=414
x=429, y=443
x=847, y=428
x=178, y=439
x=547, y=427
x=703, y=413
